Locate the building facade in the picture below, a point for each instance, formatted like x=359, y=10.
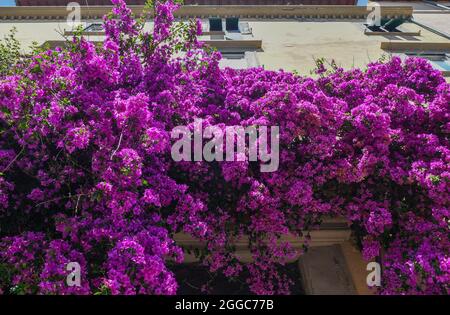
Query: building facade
x=286, y=37
x=289, y=37
x=191, y=2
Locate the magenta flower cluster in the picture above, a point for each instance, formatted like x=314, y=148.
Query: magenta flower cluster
x=87, y=175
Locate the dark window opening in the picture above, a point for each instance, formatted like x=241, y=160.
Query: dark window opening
x=233, y=55
x=387, y=25
x=192, y=277
x=94, y=27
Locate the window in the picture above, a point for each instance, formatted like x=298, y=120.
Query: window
x=386, y=25
x=232, y=24
x=439, y=61
x=233, y=55
x=245, y=28
x=239, y=59
x=215, y=24
x=94, y=27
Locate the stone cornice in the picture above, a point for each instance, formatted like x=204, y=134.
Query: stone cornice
x=242, y=11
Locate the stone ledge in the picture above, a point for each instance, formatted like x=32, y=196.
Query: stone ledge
x=332, y=231
x=370, y=33
x=415, y=46
x=242, y=44
x=250, y=44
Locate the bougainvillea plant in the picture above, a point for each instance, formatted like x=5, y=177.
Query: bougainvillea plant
x=86, y=173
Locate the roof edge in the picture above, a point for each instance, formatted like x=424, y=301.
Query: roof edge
x=204, y=11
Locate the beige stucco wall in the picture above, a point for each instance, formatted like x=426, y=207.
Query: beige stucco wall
x=39, y=31
x=293, y=45
x=288, y=44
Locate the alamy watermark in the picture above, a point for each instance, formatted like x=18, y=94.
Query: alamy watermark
x=74, y=14
x=230, y=141
x=73, y=279
x=374, y=16
x=374, y=276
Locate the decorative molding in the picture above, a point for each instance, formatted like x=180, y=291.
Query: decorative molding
x=331, y=232
x=193, y=2
x=242, y=11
